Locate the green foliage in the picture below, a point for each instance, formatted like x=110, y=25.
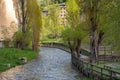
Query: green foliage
x=54, y=26
x=18, y=36
x=72, y=6
x=51, y=27
x=35, y=21
x=73, y=14
x=76, y=32
x=105, y=16
x=29, y=15
x=77, y=26
x=48, y=40
x=109, y=22
x=6, y=43
x=11, y=56
x=73, y=34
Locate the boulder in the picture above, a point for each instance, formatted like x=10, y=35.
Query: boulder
x=24, y=59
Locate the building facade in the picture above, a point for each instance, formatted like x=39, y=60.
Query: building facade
x=62, y=15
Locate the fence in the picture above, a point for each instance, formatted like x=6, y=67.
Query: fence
x=1, y=44
x=94, y=71
x=106, y=53
x=109, y=58
x=6, y=44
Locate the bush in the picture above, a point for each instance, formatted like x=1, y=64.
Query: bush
x=6, y=43
x=19, y=37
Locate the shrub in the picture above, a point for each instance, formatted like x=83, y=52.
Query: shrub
x=19, y=36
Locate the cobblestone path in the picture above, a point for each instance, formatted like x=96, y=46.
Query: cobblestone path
x=52, y=64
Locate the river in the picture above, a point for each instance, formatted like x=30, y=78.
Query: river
x=51, y=64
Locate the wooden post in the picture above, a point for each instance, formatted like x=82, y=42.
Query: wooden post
x=87, y=70
x=111, y=51
x=92, y=70
x=101, y=72
x=110, y=74
x=104, y=53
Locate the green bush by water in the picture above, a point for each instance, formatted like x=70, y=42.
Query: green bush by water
x=11, y=56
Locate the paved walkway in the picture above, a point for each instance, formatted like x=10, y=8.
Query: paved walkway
x=52, y=64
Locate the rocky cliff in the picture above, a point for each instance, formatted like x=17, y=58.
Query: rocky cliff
x=8, y=21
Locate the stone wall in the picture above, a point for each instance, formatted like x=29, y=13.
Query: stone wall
x=1, y=44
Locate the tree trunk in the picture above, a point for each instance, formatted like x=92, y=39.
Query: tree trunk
x=70, y=46
x=23, y=23
x=78, y=47
x=100, y=38
x=92, y=45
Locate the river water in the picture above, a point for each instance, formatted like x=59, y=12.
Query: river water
x=53, y=64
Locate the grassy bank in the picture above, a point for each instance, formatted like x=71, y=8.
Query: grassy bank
x=9, y=57
x=115, y=66
x=47, y=40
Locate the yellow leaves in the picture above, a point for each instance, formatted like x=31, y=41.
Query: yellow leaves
x=35, y=21
x=34, y=12
x=73, y=13
x=72, y=6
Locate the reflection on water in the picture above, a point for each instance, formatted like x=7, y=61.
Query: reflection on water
x=52, y=64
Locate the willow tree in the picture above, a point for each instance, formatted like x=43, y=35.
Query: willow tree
x=35, y=22
x=93, y=10
x=75, y=31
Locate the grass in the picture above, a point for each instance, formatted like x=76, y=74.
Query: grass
x=47, y=40
x=101, y=64
x=11, y=56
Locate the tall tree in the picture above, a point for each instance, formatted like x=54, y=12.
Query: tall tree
x=35, y=20
x=93, y=12
x=75, y=31
x=29, y=17
x=21, y=13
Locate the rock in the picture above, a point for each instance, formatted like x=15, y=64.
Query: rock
x=9, y=65
x=24, y=59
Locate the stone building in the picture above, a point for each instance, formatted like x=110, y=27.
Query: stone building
x=62, y=15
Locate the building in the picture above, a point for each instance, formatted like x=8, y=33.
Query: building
x=63, y=12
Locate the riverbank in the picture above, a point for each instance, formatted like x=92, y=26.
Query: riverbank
x=10, y=57
x=12, y=73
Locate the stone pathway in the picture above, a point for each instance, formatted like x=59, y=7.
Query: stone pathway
x=51, y=64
